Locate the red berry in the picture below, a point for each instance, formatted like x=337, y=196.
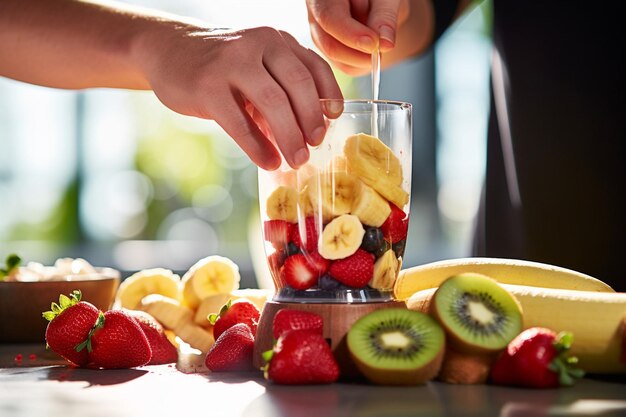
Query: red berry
x=70, y=323
x=286, y=320
x=277, y=232
x=318, y=262
x=354, y=271
x=536, y=359
x=302, y=357
x=396, y=227
x=299, y=273
x=307, y=237
x=163, y=351
x=232, y=351
x=118, y=342
x=240, y=311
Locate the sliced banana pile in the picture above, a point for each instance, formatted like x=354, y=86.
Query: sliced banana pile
x=182, y=305
x=350, y=200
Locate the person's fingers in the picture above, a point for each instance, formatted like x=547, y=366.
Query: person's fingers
x=325, y=82
x=337, y=51
x=334, y=18
x=236, y=122
x=269, y=98
x=359, y=9
x=383, y=18
x=298, y=82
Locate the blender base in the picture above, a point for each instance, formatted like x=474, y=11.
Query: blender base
x=338, y=318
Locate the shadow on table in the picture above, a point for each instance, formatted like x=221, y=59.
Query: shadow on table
x=93, y=377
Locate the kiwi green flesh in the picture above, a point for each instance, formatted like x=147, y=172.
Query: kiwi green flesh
x=395, y=339
x=478, y=312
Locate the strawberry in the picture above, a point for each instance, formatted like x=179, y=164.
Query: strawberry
x=117, y=341
x=286, y=320
x=309, y=241
x=396, y=227
x=241, y=311
x=70, y=323
x=319, y=263
x=354, y=271
x=536, y=359
x=163, y=351
x=275, y=261
x=301, y=357
x=277, y=232
x=299, y=273
x=232, y=351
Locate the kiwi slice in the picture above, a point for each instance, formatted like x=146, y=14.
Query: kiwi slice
x=476, y=313
x=394, y=346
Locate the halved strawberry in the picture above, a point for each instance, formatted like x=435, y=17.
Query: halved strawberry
x=396, y=227
x=299, y=273
x=318, y=262
x=311, y=235
x=354, y=271
x=277, y=232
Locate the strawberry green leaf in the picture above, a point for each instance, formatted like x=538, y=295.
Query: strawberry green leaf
x=65, y=302
x=87, y=342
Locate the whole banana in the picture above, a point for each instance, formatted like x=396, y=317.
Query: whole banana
x=595, y=318
x=506, y=271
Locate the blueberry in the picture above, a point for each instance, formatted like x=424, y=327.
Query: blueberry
x=398, y=247
x=328, y=283
x=292, y=249
x=373, y=239
x=383, y=248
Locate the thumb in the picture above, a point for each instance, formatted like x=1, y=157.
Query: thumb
x=383, y=19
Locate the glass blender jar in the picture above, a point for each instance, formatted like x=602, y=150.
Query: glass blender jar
x=335, y=229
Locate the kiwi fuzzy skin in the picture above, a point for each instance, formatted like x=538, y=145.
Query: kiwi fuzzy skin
x=401, y=376
x=466, y=368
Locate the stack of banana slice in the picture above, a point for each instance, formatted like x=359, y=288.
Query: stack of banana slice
x=182, y=305
x=352, y=192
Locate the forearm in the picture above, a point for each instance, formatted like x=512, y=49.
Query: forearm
x=76, y=44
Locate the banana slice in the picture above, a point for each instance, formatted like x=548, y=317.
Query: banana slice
x=376, y=165
x=195, y=336
x=256, y=296
x=385, y=271
x=282, y=204
x=166, y=310
x=332, y=193
x=211, y=275
x=368, y=157
x=369, y=206
x=211, y=304
x=341, y=237
x=146, y=282
x=337, y=163
x=304, y=202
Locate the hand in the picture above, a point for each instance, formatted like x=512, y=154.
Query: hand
x=348, y=31
x=259, y=85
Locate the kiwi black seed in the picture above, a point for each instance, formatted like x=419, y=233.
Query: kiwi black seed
x=396, y=346
x=477, y=312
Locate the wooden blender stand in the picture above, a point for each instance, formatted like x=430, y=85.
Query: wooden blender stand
x=338, y=318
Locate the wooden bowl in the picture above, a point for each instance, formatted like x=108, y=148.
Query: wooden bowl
x=21, y=303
